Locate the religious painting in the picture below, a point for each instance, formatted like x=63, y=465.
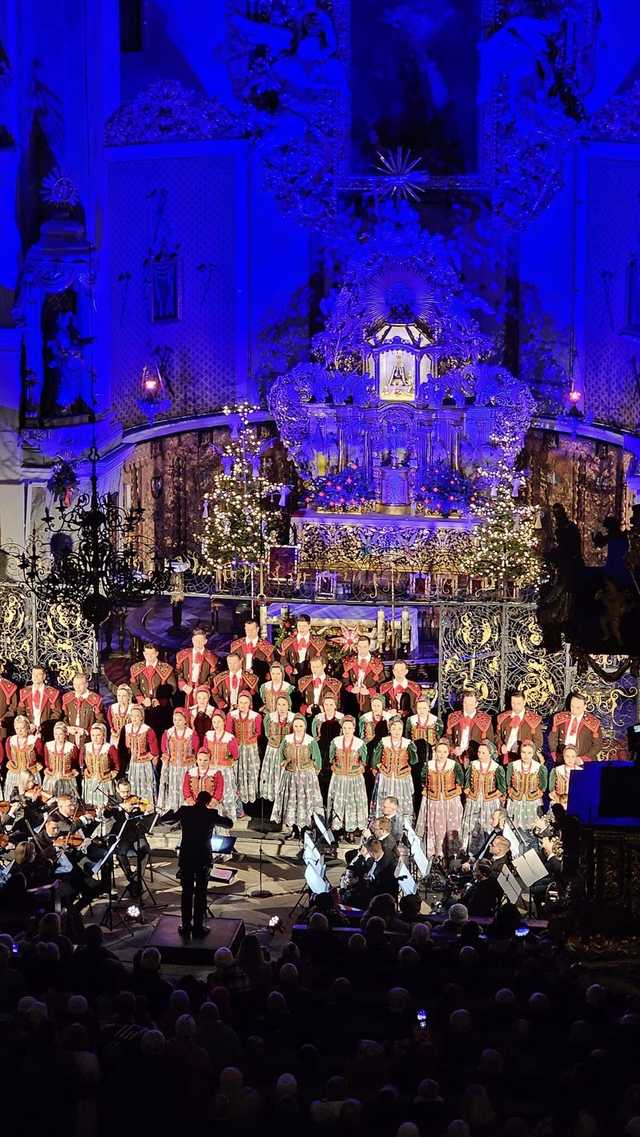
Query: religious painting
x=397, y=377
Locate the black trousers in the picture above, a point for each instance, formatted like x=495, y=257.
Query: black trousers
x=194, y=880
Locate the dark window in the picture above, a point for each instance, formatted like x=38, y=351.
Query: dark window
x=131, y=25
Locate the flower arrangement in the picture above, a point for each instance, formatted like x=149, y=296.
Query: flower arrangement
x=442, y=490
x=345, y=492
x=62, y=481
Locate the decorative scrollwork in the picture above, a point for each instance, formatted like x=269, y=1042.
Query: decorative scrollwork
x=16, y=630
x=66, y=643
x=470, y=649
x=614, y=703
x=542, y=676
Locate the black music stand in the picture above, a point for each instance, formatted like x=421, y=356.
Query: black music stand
x=141, y=825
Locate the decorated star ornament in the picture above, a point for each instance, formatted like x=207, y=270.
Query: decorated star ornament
x=347, y=639
x=59, y=189
x=402, y=173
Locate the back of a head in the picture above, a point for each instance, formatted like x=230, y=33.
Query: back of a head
x=458, y=914
x=375, y=929
x=150, y=960
x=318, y=923
x=93, y=936
x=204, y=799
x=410, y=905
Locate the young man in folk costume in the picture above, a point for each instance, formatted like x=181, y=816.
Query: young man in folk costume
x=61, y=763
x=22, y=752
x=576, y=727
x=195, y=666
x=40, y=704
x=275, y=686
x=485, y=790
x=256, y=654
x=246, y=726
x=362, y=675
x=298, y=795
x=118, y=712
x=201, y=713
x=526, y=783
x=80, y=709
x=325, y=726
x=8, y=702
x=176, y=749
x=560, y=776
x=401, y=692
x=228, y=684
x=202, y=777
x=100, y=766
x=468, y=727
x=154, y=684
x=315, y=687
x=516, y=726
x=223, y=750
x=347, y=807
x=298, y=650
x=139, y=752
x=392, y=761
x=440, y=813
x=277, y=724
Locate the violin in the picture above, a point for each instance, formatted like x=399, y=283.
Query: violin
x=135, y=802
x=5, y=806
x=69, y=841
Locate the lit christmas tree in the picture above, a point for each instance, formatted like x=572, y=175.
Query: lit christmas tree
x=504, y=547
x=238, y=508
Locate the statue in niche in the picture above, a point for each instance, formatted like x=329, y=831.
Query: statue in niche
x=165, y=300
x=66, y=360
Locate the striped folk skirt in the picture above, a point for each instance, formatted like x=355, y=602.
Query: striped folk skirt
x=524, y=813
x=170, y=791
x=142, y=776
x=12, y=781
x=435, y=820
x=476, y=821
x=54, y=785
x=248, y=771
x=347, y=806
x=387, y=786
x=270, y=773
x=231, y=804
x=298, y=798
x=95, y=791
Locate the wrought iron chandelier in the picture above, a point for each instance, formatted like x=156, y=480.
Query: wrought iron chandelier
x=96, y=557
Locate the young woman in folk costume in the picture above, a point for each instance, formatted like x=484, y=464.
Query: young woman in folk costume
x=277, y=724
x=176, y=750
x=325, y=726
x=298, y=794
x=373, y=725
x=526, y=783
x=23, y=752
x=246, y=726
x=223, y=749
x=485, y=790
x=392, y=760
x=347, y=806
x=275, y=687
x=560, y=777
x=140, y=747
x=100, y=766
x=424, y=729
x=61, y=763
x=118, y=712
x=201, y=713
x=441, y=807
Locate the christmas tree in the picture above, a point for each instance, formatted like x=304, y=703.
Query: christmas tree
x=238, y=507
x=504, y=545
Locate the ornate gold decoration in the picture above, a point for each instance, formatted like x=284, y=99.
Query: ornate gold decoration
x=336, y=545
x=470, y=650
x=16, y=629
x=66, y=643
x=613, y=703
x=542, y=676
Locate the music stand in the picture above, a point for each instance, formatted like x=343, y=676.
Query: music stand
x=510, y=885
x=406, y=883
x=142, y=824
x=530, y=869
x=324, y=831
x=421, y=861
x=107, y=861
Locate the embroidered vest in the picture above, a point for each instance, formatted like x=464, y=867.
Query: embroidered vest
x=244, y=729
x=297, y=758
x=60, y=762
x=97, y=765
x=278, y=730
x=199, y=783
x=118, y=717
x=427, y=730
x=525, y=786
x=441, y=785
x=219, y=750
x=22, y=756
x=137, y=743
x=395, y=761
x=269, y=695
x=482, y=783
x=349, y=763
x=370, y=726
x=179, y=748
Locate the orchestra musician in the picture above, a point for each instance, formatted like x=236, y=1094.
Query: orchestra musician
x=133, y=845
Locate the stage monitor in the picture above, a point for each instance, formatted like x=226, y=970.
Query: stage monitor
x=606, y=793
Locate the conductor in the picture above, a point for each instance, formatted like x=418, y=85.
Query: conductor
x=195, y=859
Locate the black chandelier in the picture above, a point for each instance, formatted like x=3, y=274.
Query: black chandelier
x=96, y=557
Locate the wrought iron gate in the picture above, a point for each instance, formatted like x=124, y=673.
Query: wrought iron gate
x=54, y=635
